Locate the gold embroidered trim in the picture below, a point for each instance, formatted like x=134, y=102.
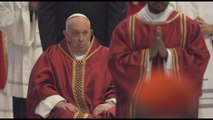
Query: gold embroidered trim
x=92, y=53
x=91, y=44
x=183, y=30
x=175, y=63
x=80, y=115
x=65, y=52
x=78, y=85
x=76, y=115
x=132, y=31
x=86, y=115
x=144, y=65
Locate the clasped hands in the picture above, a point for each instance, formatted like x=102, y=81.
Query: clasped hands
x=158, y=46
x=98, y=110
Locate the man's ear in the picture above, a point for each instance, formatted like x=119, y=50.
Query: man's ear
x=91, y=31
x=65, y=33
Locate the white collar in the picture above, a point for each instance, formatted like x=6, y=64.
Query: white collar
x=146, y=15
x=78, y=57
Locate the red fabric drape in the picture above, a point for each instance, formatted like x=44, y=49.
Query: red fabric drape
x=2, y=63
x=133, y=8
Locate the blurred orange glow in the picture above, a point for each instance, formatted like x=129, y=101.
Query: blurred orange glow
x=166, y=96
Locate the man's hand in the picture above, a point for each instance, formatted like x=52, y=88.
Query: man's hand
x=205, y=27
x=161, y=47
x=66, y=106
x=153, y=50
x=102, y=107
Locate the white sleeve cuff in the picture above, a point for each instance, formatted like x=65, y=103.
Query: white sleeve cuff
x=148, y=69
x=45, y=106
x=149, y=64
x=168, y=63
x=111, y=100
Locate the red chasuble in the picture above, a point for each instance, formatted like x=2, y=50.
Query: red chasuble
x=2, y=63
x=85, y=83
x=129, y=54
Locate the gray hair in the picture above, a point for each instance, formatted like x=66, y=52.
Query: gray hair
x=75, y=15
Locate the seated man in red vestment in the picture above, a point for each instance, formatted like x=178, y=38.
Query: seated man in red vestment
x=156, y=38
x=71, y=79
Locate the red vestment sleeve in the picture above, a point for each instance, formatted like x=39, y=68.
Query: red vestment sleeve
x=193, y=59
x=42, y=85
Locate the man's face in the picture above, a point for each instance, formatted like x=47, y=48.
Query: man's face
x=78, y=35
x=157, y=7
